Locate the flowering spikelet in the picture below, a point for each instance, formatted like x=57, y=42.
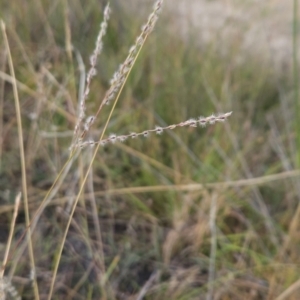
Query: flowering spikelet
x=122, y=138
x=159, y=130
x=191, y=122
x=145, y=133
x=88, y=123
x=112, y=138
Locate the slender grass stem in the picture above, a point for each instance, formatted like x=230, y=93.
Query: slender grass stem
x=12, y=227
x=22, y=158
x=213, y=247
x=296, y=80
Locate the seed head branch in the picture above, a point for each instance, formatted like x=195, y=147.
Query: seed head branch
x=202, y=121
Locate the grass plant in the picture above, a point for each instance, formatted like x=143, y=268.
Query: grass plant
x=187, y=213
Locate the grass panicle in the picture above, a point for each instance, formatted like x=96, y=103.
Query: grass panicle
x=120, y=76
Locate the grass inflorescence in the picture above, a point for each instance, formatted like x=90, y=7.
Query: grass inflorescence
x=159, y=130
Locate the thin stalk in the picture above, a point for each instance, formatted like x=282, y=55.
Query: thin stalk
x=22, y=158
x=213, y=247
x=2, y=66
x=296, y=81
x=12, y=228
x=49, y=195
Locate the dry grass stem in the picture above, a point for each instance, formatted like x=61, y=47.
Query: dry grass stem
x=290, y=291
x=213, y=247
x=22, y=158
x=5, y=285
x=12, y=227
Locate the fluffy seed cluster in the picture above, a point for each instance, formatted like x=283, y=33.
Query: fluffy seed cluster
x=202, y=121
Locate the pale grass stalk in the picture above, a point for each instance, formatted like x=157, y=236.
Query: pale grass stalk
x=5, y=285
x=12, y=228
x=213, y=247
x=63, y=172
x=288, y=293
x=157, y=7
x=35, y=94
x=52, y=190
x=223, y=185
x=2, y=66
x=96, y=218
x=22, y=157
x=296, y=78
